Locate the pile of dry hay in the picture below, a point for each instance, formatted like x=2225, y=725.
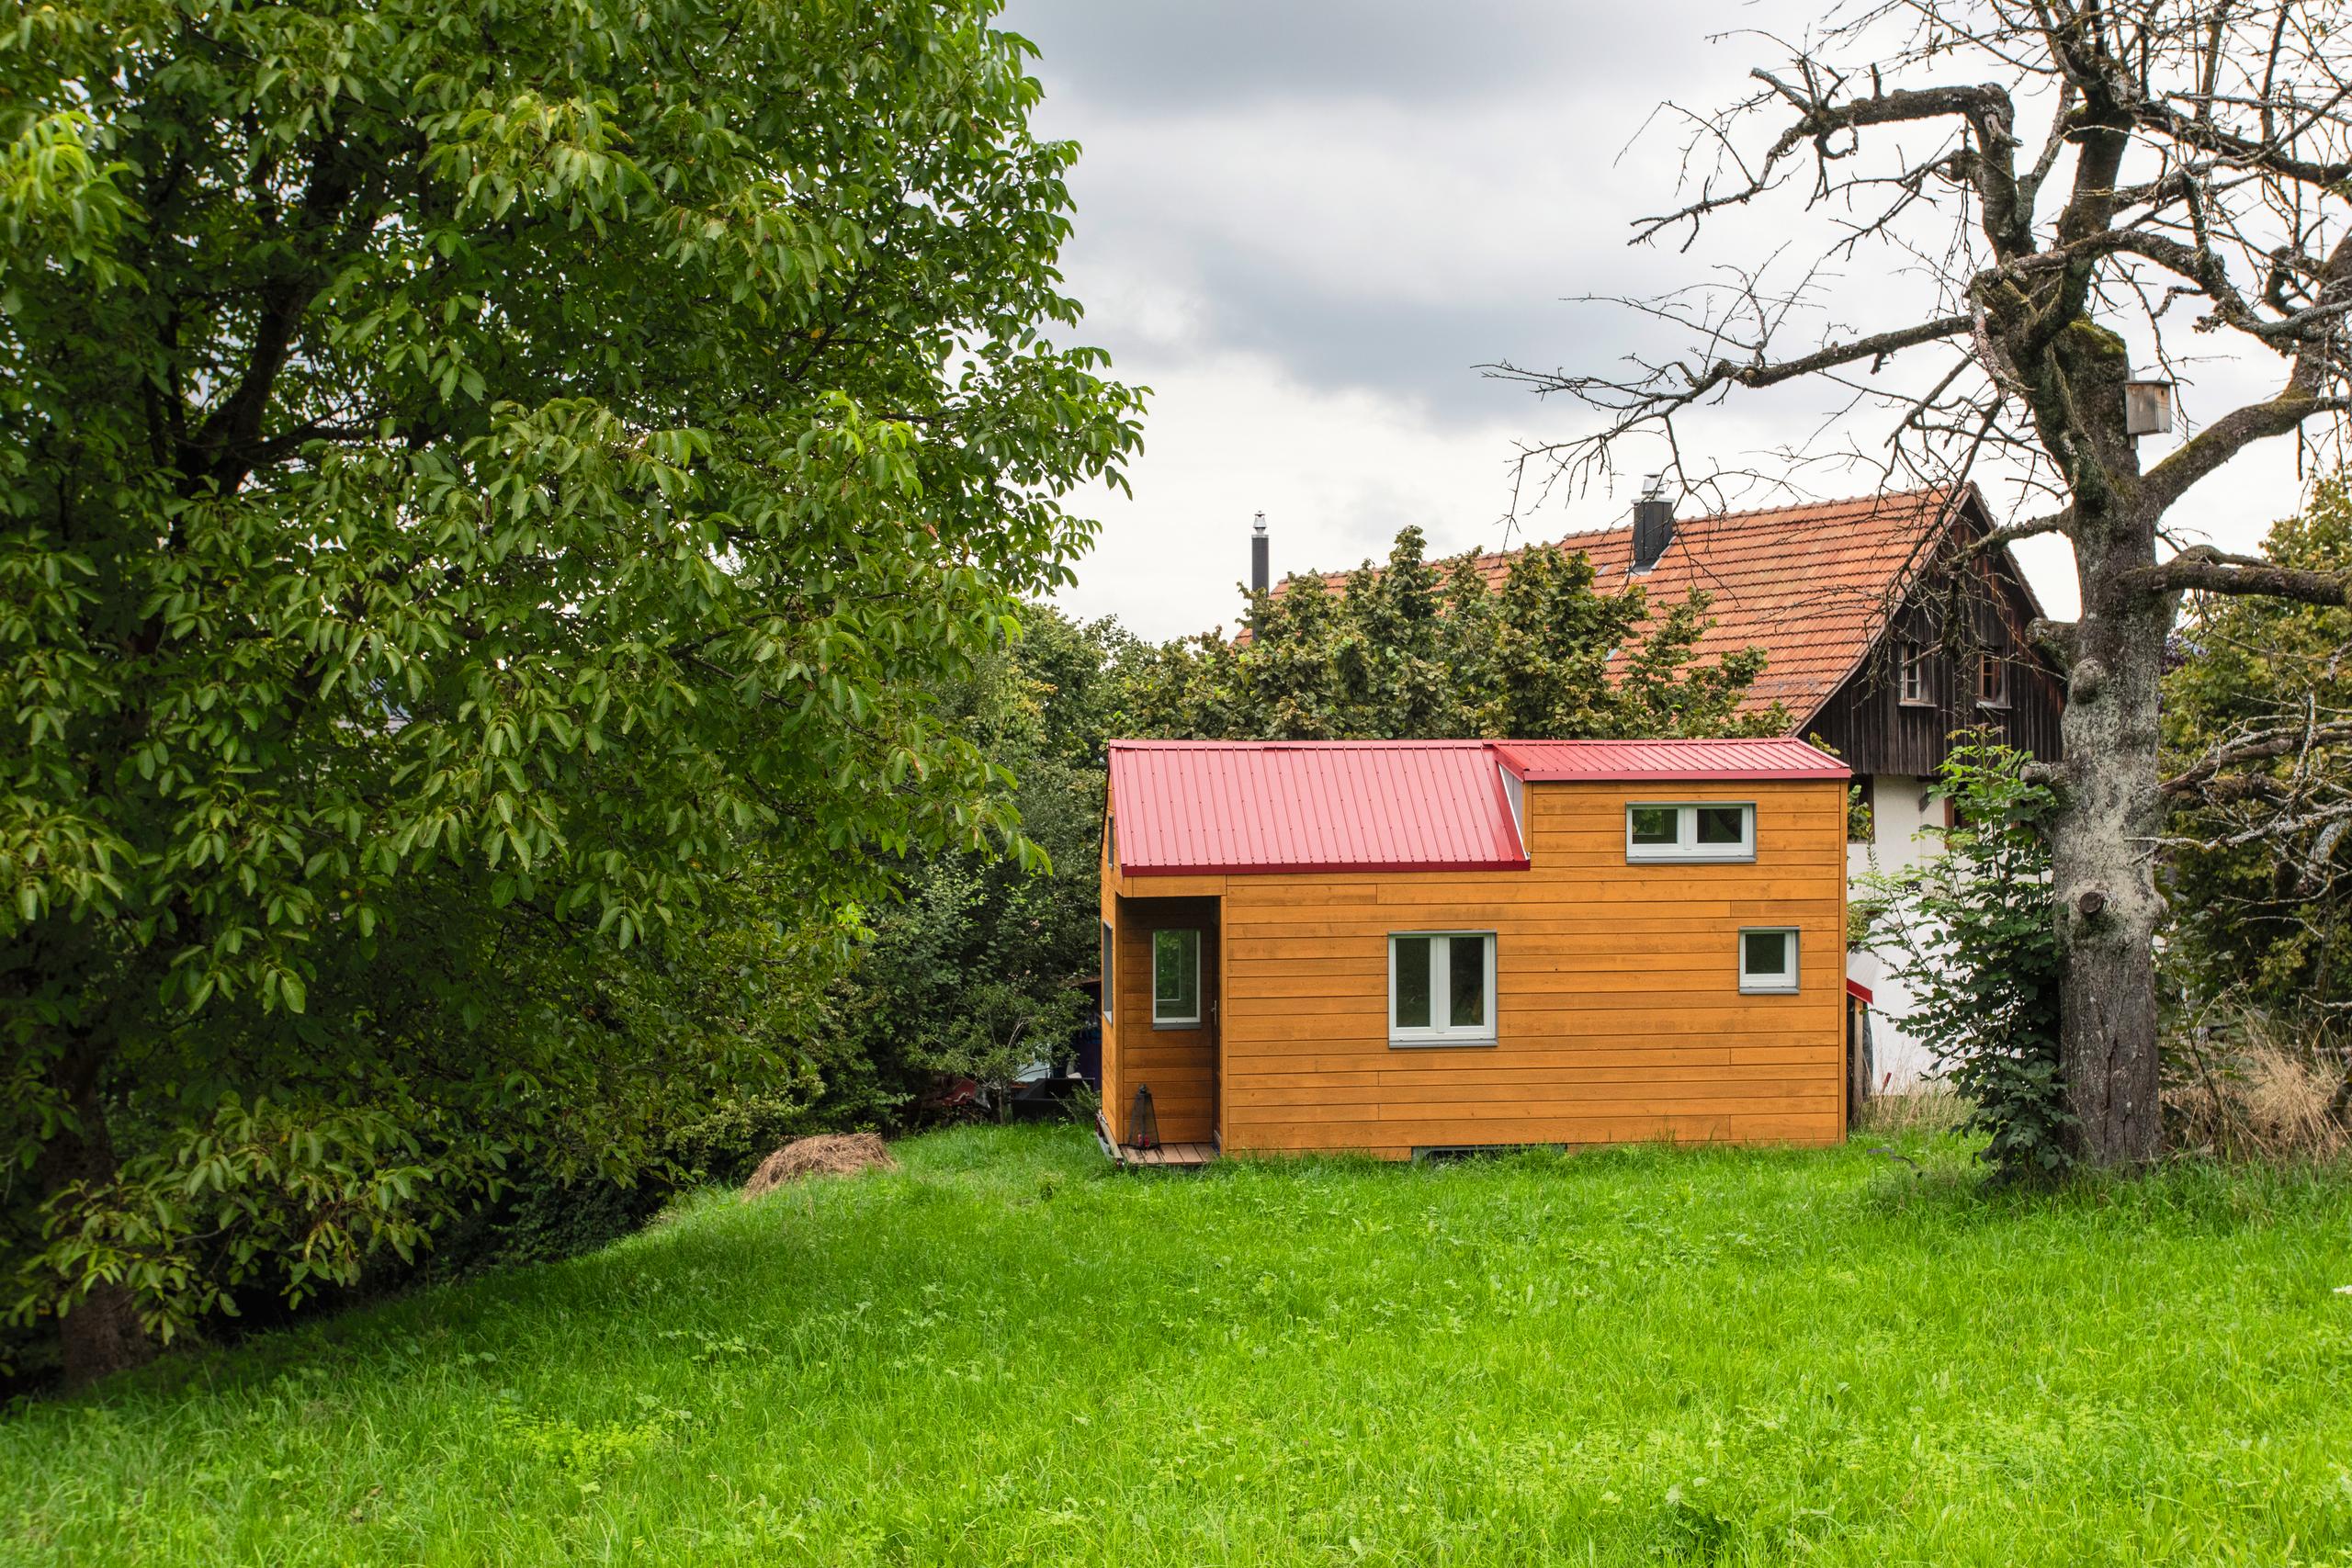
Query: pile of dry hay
x=829, y=1154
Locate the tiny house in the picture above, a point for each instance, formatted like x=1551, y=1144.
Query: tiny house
x=1407, y=947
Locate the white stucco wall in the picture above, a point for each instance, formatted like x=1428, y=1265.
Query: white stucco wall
x=1899, y=809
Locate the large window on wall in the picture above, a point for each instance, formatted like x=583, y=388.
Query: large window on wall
x=1175, y=979
x=1706, y=831
x=1442, y=988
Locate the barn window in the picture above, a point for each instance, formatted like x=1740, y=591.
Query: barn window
x=1442, y=988
x=1911, y=676
x=1106, y=970
x=1862, y=810
x=1176, y=978
x=1992, y=682
x=1768, y=960
x=1708, y=830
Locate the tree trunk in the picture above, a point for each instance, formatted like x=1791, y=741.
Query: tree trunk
x=2103, y=851
x=100, y=1333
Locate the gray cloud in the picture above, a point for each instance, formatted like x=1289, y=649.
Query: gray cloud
x=1424, y=353
x=1158, y=54
x=1305, y=222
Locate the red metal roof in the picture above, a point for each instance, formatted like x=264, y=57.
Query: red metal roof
x=1776, y=758
x=1206, y=806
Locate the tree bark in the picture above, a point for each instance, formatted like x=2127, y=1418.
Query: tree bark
x=100, y=1333
x=2103, y=851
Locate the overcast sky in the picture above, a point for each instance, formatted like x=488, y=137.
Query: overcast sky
x=1304, y=223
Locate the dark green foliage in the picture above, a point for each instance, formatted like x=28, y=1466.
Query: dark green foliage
x=971, y=969
x=2258, y=740
x=1969, y=931
x=1420, y=650
x=487, y=495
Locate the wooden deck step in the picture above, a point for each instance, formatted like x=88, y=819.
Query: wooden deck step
x=1178, y=1155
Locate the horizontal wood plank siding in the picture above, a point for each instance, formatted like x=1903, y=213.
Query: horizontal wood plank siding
x=1178, y=1065
x=1618, y=1013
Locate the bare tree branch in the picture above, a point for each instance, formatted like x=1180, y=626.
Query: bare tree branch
x=2204, y=570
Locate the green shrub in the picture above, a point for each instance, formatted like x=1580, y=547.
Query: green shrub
x=1970, y=931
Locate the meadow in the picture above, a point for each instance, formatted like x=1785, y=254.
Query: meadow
x=1005, y=1352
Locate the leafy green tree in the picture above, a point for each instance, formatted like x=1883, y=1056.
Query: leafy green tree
x=1417, y=650
x=1969, y=929
x=521, y=456
x=972, y=968
x=2258, y=743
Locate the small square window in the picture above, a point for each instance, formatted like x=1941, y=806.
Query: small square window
x=1442, y=988
x=1768, y=960
x=1695, y=832
x=1176, y=978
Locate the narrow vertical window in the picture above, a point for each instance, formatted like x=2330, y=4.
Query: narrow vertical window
x=1409, y=967
x=1176, y=978
x=1466, y=982
x=1106, y=970
x=1442, y=988
x=1992, y=682
x=1911, y=678
x=1862, y=810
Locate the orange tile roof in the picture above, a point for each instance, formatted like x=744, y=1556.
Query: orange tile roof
x=1812, y=585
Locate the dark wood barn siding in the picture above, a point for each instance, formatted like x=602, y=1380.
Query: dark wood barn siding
x=1869, y=725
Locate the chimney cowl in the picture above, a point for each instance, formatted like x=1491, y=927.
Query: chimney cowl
x=1653, y=528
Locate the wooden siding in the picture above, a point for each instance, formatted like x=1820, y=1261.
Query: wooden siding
x=1620, y=1016
x=1179, y=1063
x=1875, y=731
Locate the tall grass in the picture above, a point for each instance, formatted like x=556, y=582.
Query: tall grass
x=2244, y=1085
x=1005, y=1353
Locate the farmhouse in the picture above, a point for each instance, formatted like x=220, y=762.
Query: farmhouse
x=1401, y=947
x=1885, y=631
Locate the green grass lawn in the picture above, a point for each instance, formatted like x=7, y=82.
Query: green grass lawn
x=1006, y=1353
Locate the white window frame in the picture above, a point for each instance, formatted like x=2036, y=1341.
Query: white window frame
x=1994, y=665
x=1110, y=960
x=1165, y=1020
x=1686, y=847
x=1782, y=984
x=1515, y=792
x=1911, y=677
x=1442, y=995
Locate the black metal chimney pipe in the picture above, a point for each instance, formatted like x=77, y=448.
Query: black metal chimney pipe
x=1652, y=527
x=1261, y=559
